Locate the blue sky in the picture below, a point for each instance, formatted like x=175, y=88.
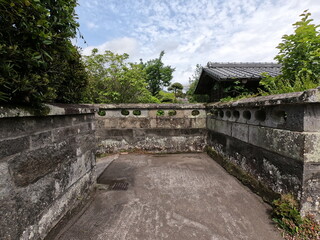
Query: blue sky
x=190, y=31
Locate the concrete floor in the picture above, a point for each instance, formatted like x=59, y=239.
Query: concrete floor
x=172, y=196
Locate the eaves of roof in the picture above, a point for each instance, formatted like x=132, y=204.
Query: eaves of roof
x=228, y=72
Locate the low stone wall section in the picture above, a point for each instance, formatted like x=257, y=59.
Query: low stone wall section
x=151, y=127
x=276, y=139
x=46, y=168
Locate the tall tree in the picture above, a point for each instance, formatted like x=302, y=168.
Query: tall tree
x=299, y=54
x=176, y=88
x=113, y=80
x=158, y=75
x=38, y=62
x=193, y=82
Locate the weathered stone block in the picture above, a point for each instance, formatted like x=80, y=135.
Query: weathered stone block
x=198, y=122
x=9, y=220
x=222, y=127
x=12, y=146
x=168, y=122
x=284, y=142
x=310, y=202
x=282, y=174
x=311, y=118
x=61, y=134
x=80, y=167
x=36, y=172
x=85, y=143
x=210, y=122
x=33, y=165
x=312, y=147
x=14, y=127
x=41, y=139
x=240, y=131
x=86, y=118
x=50, y=217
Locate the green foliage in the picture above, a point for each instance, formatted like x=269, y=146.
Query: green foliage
x=235, y=91
x=172, y=112
x=125, y=112
x=136, y=112
x=286, y=214
x=160, y=113
x=158, y=75
x=175, y=86
x=38, y=63
x=278, y=85
x=102, y=112
x=166, y=97
x=193, y=82
x=113, y=80
x=299, y=54
x=177, y=90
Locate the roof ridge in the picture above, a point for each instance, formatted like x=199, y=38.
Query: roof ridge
x=242, y=64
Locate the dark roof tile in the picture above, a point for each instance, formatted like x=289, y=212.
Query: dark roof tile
x=225, y=72
x=231, y=71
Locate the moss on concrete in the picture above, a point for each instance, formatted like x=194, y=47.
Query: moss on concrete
x=248, y=180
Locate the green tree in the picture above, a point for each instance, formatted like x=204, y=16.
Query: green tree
x=193, y=82
x=38, y=63
x=166, y=97
x=176, y=88
x=158, y=75
x=113, y=80
x=299, y=54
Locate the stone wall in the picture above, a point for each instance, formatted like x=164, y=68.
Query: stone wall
x=151, y=127
x=47, y=163
x=46, y=166
x=275, y=139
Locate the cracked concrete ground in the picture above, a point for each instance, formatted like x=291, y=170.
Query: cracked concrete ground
x=170, y=196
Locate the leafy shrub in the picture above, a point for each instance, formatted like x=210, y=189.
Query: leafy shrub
x=286, y=214
x=38, y=62
x=193, y=82
x=299, y=55
x=125, y=112
x=160, y=113
x=136, y=112
x=165, y=97
x=172, y=112
x=114, y=80
x=102, y=112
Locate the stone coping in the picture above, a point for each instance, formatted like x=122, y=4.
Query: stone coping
x=149, y=106
x=309, y=96
x=55, y=109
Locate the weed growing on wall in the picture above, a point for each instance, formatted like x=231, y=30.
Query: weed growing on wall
x=287, y=216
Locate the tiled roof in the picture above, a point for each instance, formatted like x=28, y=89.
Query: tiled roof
x=229, y=72
x=233, y=71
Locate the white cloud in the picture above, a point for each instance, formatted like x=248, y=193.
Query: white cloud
x=120, y=46
x=194, y=31
x=92, y=25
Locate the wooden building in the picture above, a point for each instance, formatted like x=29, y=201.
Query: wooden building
x=217, y=77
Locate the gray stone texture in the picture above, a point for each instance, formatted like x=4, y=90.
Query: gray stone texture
x=46, y=166
x=278, y=143
x=47, y=163
x=182, y=132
